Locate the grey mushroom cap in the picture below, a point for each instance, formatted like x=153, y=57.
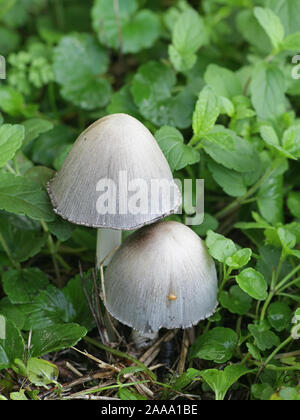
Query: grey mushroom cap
x=116, y=144
x=161, y=277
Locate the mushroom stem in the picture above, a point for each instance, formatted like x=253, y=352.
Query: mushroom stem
x=107, y=241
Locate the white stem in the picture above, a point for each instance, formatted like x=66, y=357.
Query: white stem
x=107, y=241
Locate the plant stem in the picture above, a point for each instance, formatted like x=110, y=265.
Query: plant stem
x=52, y=253
x=8, y=253
x=119, y=354
x=283, y=344
x=241, y=200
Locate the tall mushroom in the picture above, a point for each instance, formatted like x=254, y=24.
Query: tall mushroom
x=102, y=173
x=162, y=276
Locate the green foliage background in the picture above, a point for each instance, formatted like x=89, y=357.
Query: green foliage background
x=213, y=80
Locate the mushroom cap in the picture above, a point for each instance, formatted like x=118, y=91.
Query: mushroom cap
x=115, y=147
x=161, y=277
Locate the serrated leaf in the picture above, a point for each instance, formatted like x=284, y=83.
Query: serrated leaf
x=268, y=91
x=12, y=346
x=11, y=137
x=206, y=112
x=293, y=203
x=227, y=148
x=125, y=28
x=48, y=308
x=288, y=11
x=55, y=337
x=271, y=24
x=270, y=199
x=264, y=338
x=223, y=81
x=187, y=37
x=152, y=92
x=79, y=63
x=230, y=181
x=22, y=286
x=34, y=127
x=22, y=196
x=217, y=344
x=178, y=154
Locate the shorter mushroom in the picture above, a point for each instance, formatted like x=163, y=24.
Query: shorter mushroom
x=161, y=277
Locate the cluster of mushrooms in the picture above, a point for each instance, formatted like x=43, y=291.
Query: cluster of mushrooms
x=162, y=275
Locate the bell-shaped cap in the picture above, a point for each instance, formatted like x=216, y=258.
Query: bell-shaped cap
x=115, y=176
x=162, y=276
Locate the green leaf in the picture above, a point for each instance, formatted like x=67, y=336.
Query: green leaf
x=268, y=91
x=269, y=135
x=227, y=148
x=55, y=337
x=178, y=154
x=34, y=127
x=75, y=295
x=291, y=42
x=11, y=101
x=79, y=63
x=50, y=307
x=185, y=379
x=223, y=81
x=126, y=28
x=52, y=143
x=290, y=394
x=22, y=196
x=270, y=199
x=206, y=112
x=221, y=380
x=220, y=247
x=291, y=140
x=22, y=286
x=279, y=315
x=252, y=32
x=253, y=283
x=18, y=396
x=11, y=312
x=271, y=24
x=231, y=182
x=11, y=137
x=127, y=395
x=288, y=11
x=187, y=37
x=122, y=102
x=152, y=92
x=264, y=338
x=41, y=372
x=12, y=346
x=21, y=242
x=217, y=344
x=236, y=301
x=262, y=392
x=293, y=203
x=239, y=258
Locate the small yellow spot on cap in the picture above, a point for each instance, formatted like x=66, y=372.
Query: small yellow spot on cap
x=171, y=296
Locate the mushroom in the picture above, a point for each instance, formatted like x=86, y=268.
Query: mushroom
x=162, y=276
x=113, y=156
